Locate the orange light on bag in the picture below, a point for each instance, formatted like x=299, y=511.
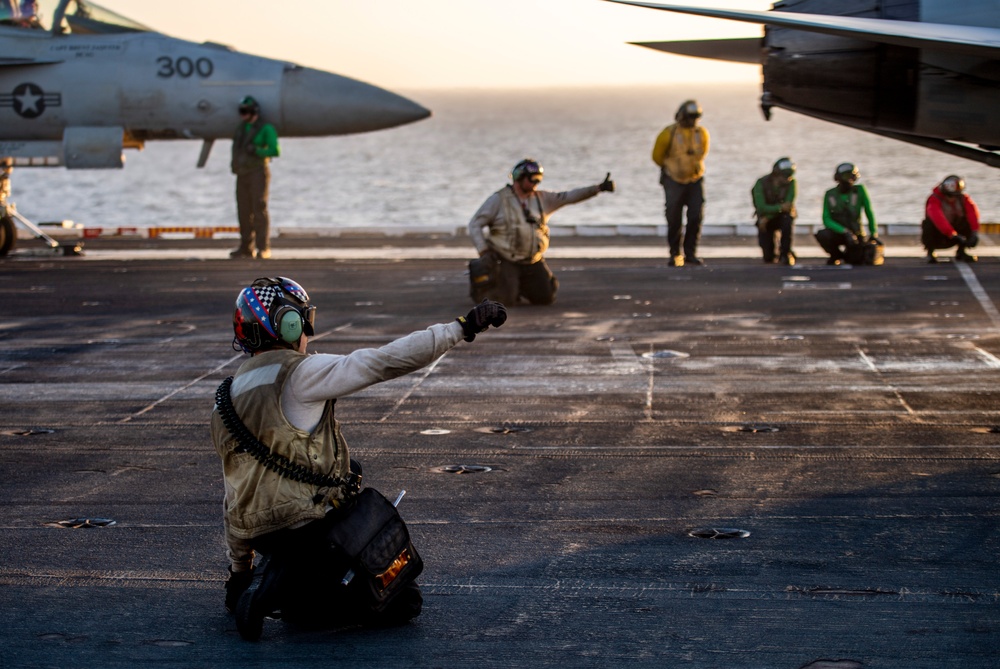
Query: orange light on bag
x=390, y=574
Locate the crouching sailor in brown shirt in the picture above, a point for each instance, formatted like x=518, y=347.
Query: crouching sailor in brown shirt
x=289, y=478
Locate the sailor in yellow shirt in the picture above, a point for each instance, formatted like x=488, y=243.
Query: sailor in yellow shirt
x=680, y=152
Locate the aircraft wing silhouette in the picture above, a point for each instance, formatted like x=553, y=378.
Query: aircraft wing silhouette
x=972, y=40
x=735, y=50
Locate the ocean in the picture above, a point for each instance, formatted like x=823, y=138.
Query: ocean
x=437, y=172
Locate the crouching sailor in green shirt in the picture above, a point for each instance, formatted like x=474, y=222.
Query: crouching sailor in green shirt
x=774, y=206
x=842, y=236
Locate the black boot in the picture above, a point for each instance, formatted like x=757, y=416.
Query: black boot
x=235, y=587
x=405, y=607
x=962, y=256
x=261, y=598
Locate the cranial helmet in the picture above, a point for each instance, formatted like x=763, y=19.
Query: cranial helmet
x=846, y=172
x=953, y=185
x=527, y=168
x=271, y=312
x=250, y=104
x=785, y=167
x=688, y=109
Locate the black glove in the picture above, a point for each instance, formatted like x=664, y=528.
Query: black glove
x=972, y=239
x=607, y=186
x=238, y=582
x=960, y=240
x=482, y=316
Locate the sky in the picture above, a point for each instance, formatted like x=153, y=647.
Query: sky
x=442, y=44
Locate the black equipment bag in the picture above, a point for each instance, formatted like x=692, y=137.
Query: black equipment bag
x=877, y=254
x=481, y=277
x=373, y=539
x=869, y=252
x=479, y=272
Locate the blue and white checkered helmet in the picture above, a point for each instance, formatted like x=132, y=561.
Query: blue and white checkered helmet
x=271, y=312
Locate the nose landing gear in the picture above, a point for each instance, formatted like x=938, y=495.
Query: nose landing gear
x=8, y=233
x=9, y=217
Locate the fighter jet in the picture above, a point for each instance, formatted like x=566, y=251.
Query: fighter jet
x=80, y=83
x=920, y=71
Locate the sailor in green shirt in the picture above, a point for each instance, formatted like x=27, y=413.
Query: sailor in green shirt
x=774, y=206
x=842, y=236
x=254, y=144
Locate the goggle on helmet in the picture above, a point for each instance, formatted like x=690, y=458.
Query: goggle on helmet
x=271, y=312
x=688, y=109
x=846, y=172
x=953, y=185
x=527, y=168
x=785, y=167
x=248, y=105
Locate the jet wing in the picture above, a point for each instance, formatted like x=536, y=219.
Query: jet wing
x=737, y=50
x=973, y=40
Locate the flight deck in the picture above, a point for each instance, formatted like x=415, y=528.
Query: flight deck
x=738, y=465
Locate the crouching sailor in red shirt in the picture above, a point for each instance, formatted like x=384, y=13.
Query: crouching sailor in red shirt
x=951, y=218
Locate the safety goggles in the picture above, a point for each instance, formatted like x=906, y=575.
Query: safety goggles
x=309, y=321
x=953, y=185
x=529, y=170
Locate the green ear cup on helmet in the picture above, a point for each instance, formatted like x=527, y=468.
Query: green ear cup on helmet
x=290, y=327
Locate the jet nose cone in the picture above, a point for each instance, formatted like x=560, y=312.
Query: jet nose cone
x=316, y=103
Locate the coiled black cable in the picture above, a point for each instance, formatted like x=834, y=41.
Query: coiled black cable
x=275, y=462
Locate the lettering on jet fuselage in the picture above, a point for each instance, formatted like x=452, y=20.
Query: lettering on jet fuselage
x=184, y=67
x=29, y=100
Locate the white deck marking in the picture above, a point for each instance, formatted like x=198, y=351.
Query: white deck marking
x=895, y=391
x=979, y=293
x=207, y=374
x=187, y=385
x=427, y=372
x=991, y=360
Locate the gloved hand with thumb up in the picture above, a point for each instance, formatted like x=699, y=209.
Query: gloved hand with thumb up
x=607, y=186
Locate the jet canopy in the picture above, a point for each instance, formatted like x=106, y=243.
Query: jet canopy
x=63, y=17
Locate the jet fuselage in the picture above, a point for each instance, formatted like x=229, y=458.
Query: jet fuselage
x=920, y=71
x=76, y=96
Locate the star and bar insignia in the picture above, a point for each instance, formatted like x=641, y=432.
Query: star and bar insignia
x=29, y=100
